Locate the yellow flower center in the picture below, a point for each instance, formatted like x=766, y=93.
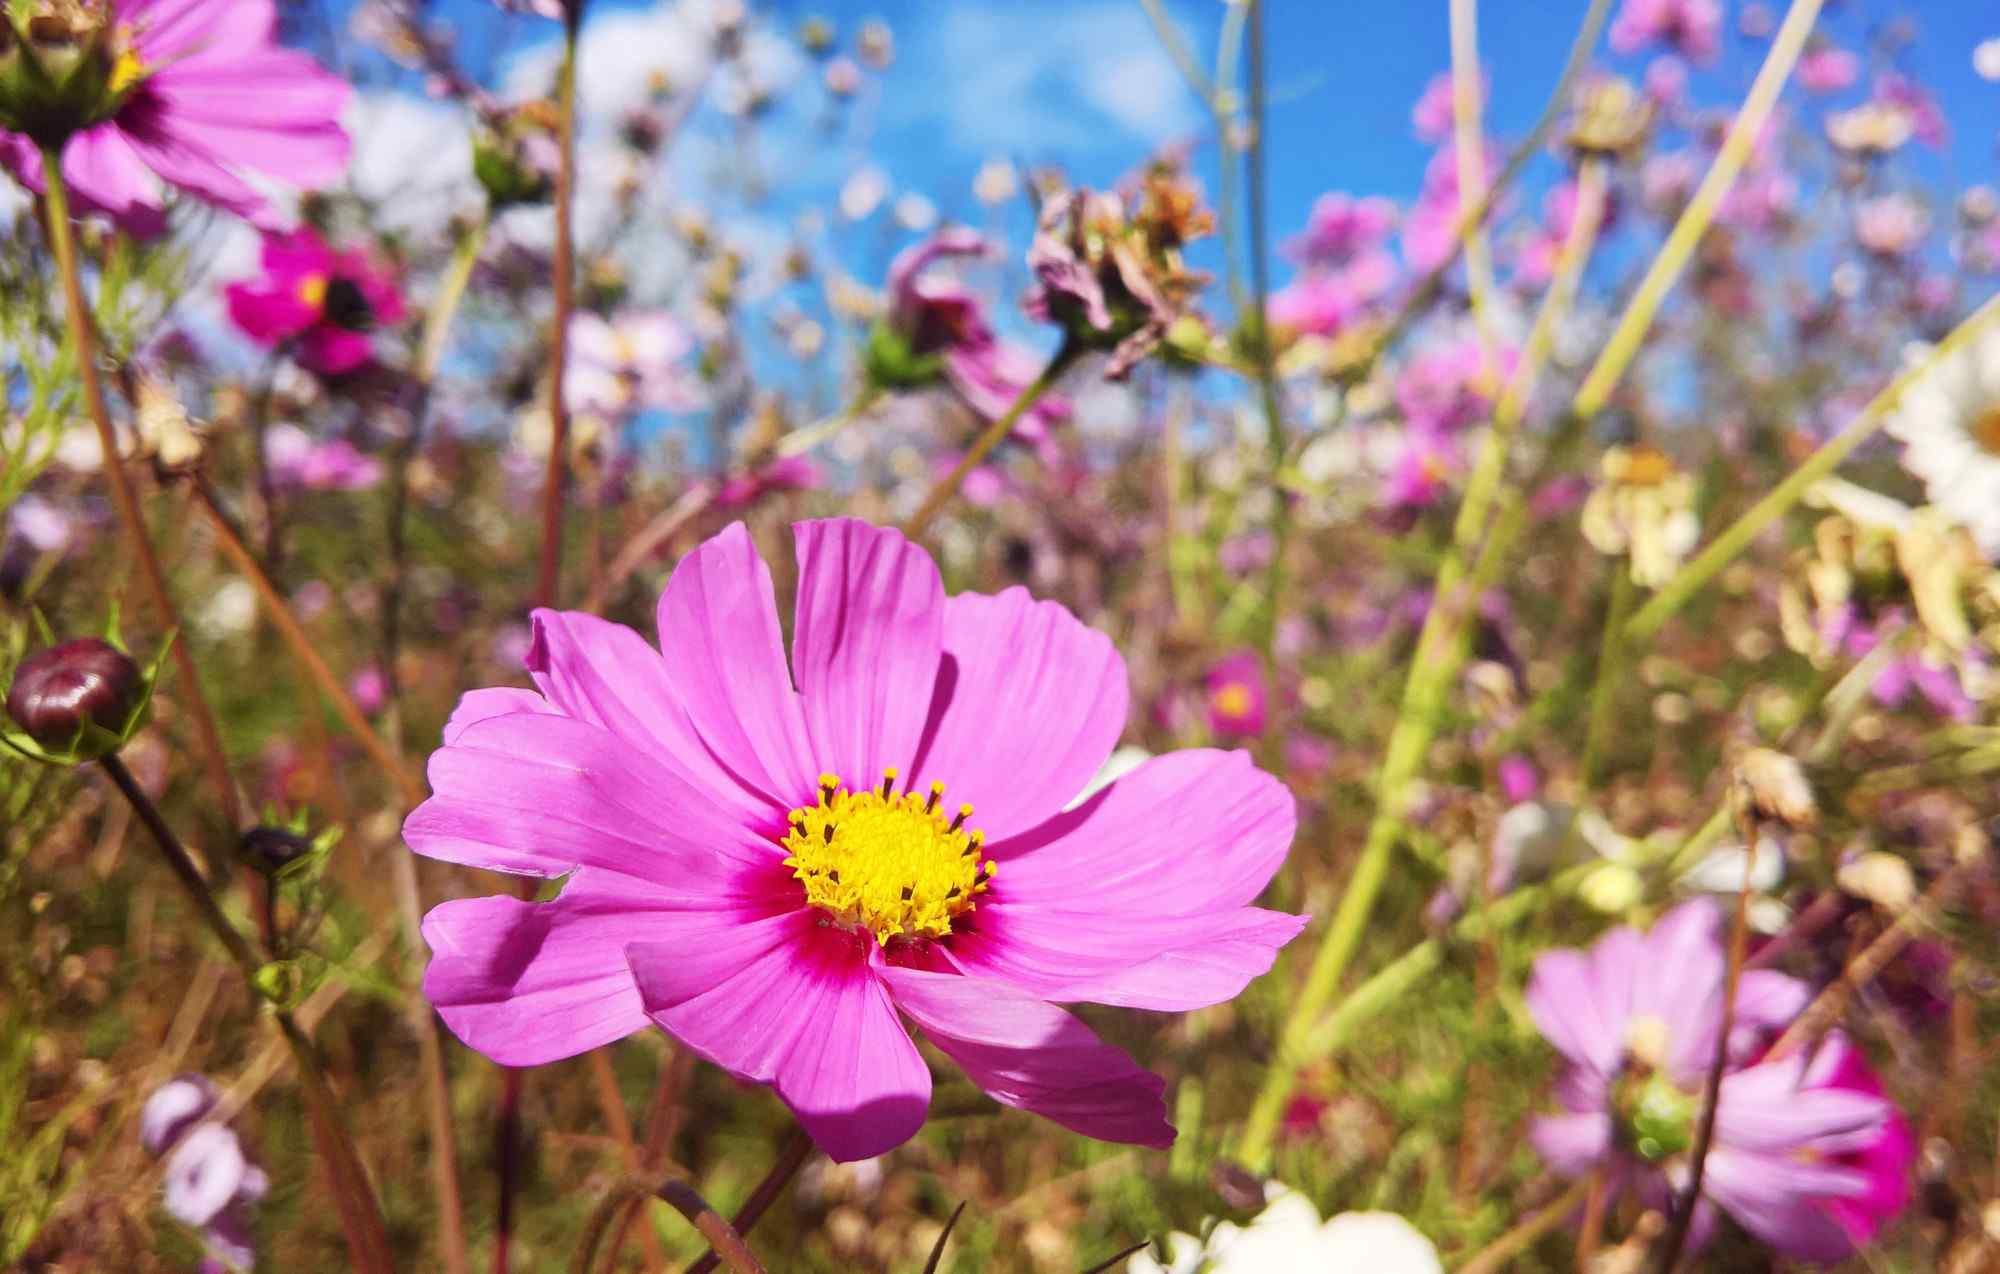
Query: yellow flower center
x=126, y=71
x=312, y=289
x=1985, y=430
x=1232, y=700
x=893, y=865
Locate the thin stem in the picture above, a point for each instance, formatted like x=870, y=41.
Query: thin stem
x=83, y=333
x=1259, y=329
x=1471, y=160
x=944, y=1237
x=367, y=1242
x=995, y=434
x=1690, y=579
x=1704, y=1133
x=1673, y=257
x=687, y=1201
x=549, y=579
x=798, y=1148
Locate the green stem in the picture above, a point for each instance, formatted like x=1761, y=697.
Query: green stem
x=995, y=434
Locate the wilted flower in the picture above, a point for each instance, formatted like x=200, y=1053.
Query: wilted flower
x=1807, y=1153
x=1288, y=1237
x=772, y=875
x=199, y=92
x=515, y=152
x=937, y=328
x=1114, y=282
x=1611, y=117
x=319, y=304
x=1643, y=509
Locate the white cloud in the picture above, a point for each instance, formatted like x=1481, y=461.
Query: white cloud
x=1046, y=76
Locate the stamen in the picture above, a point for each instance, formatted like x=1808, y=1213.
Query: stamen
x=885, y=862
x=937, y=790
x=964, y=812
x=888, y=782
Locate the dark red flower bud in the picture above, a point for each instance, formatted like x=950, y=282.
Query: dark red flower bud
x=57, y=690
x=272, y=848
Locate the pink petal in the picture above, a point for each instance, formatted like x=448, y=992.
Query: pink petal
x=171, y=29
x=527, y=983
x=607, y=674
x=1031, y=1055
x=1157, y=867
x=1029, y=703
x=1571, y=1144
x=102, y=167
x=335, y=351
x=791, y=1003
x=1781, y=1200
x=497, y=701
x=266, y=314
x=726, y=656
x=865, y=646
x=540, y=794
x=1561, y=998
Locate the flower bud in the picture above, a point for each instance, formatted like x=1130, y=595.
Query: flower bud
x=272, y=849
x=1777, y=788
x=80, y=687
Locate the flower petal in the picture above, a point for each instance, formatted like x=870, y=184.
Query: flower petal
x=495, y=701
x=791, y=1003
x=1031, y=1055
x=527, y=983
x=726, y=657
x=1029, y=702
x=865, y=645
x=1234, y=952
x=606, y=674
x=539, y=794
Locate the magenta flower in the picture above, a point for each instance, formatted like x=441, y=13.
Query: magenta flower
x=1236, y=696
x=1808, y=1155
x=1435, y=113
x=939, y=318
x=778, y=877
x=1828, y=68
x=785, y=473
x=1421, y=472
x=1341, y=228
x=1692, y=27
x=209, y=96
x=1448, y=388
x=1430, y=230
x=297, y=459
x=321, y=304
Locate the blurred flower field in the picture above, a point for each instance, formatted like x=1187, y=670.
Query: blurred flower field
x=580, y=696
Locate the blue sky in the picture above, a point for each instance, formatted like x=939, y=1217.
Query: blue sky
x=1084, y=83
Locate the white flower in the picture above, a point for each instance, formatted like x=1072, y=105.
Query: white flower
x=1287, y=1237
x=1949, y=424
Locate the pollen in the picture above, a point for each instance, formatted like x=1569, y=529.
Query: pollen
x=896, y=865
x=126, y=71
x=312, y=289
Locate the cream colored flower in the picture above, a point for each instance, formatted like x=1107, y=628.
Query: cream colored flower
x=1288, y=1237
x=1949, y=425
x=1644, y=509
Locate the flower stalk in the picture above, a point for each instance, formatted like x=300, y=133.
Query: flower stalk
x=549, y=577
x=367, y=1241
x=996, y=433
x=83, y=333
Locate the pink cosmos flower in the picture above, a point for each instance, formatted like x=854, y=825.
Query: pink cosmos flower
x=212, y=95
x=1828, y=68
x=321, y=303
x=1899, y=91
x=1237, y=696
x=1447, y=388
x=785, y=473
x=1341, y=228
x=939, y=317
x=779, y=865
x=1694, y=27
x=1435, y=113
x=627, y=363
x=1421, y=472
x=1808, y=1155
x=1890, y=225
x=297, y=459
x=1666, y=81
x=1326, y=301
x=1430, y=228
